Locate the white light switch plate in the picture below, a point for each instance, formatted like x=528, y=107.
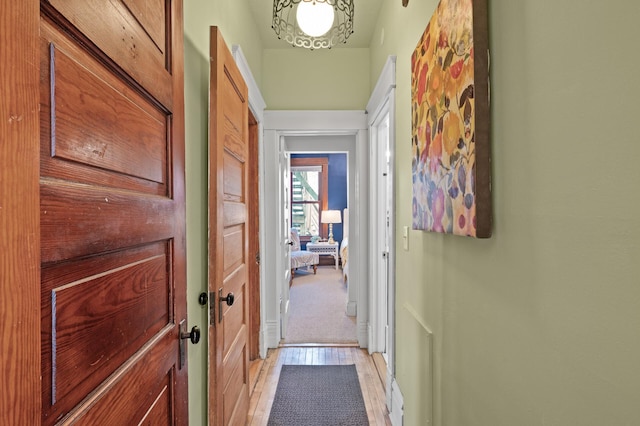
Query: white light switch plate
x=405, y=237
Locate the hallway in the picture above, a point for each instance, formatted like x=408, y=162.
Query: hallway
x=267, y=380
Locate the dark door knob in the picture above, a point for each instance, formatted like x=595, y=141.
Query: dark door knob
x=229, y=299
x=203, y=299
x=193, y=335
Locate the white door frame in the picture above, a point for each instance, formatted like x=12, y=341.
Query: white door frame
x=284, y=227
x=319, y=131
x=381, y=227
x=257, y=106
x=380, y=106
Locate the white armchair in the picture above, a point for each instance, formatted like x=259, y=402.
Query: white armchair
x=299, y=257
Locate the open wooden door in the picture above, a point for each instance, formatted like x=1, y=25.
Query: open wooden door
x=112, y=212
x=228, y=239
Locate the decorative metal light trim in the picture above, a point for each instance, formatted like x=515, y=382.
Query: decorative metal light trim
x=286, y=26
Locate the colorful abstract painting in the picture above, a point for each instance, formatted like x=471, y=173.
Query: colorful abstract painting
x=451, y=165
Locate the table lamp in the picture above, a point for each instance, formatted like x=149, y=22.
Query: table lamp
x=331, y=217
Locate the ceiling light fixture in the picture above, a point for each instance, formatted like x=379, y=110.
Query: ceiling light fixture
x=313, y=24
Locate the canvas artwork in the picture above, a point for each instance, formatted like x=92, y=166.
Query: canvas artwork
x=451, y=164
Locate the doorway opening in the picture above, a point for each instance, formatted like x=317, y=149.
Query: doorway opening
x=318, y=211
x=314, y=132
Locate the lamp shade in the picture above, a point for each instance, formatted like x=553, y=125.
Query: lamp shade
x=331, y=216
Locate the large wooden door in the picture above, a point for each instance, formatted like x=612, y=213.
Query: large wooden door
x=112, y=212
x=228, y=238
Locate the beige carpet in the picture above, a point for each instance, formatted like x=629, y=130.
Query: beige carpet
x=318, y=305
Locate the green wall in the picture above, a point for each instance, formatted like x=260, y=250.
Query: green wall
x=298, y=79
x=231, y=17
x=538, y=325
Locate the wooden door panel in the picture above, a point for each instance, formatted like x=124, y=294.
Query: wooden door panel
x=80, y=221
x=234, y=214
x=94, y=128
x=234, y=177
x=152, y=17
x=235, y=377
x=234, y=114
x=126, y=41
x=97, y=313
x=127, y=136
x=234, y=248
x=160, y=411
x=90, y=316
x=233, y=319
x=113, y=402
x=235, y=406
x=112, y=214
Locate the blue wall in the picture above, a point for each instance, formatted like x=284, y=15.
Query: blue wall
x=337, y=185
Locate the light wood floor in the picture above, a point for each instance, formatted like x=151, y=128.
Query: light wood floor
x=267, y=380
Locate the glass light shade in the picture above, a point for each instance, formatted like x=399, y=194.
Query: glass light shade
x=315, y=18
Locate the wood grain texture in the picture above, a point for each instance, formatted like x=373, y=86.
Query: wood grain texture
x=234, y=249
x=253, y=229
x=111, y=128
x=124, y=40
x=151, y=15
x=112, y=402
x=99, y=312
x=177, y=192
x=88, y=141
x=72, y=215
x=234, y=177
x=19, y=228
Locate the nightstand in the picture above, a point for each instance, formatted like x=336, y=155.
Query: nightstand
x=325, y=249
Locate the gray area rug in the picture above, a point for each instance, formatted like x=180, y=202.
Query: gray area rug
x=318, y=395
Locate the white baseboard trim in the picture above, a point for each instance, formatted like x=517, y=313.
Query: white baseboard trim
x=388, y=390
x=262, y=343
x=396, y=411
x=272, y=334
x=363, y=335
x=352, y=309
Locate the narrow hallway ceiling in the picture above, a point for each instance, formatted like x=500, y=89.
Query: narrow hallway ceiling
x=364, y=21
